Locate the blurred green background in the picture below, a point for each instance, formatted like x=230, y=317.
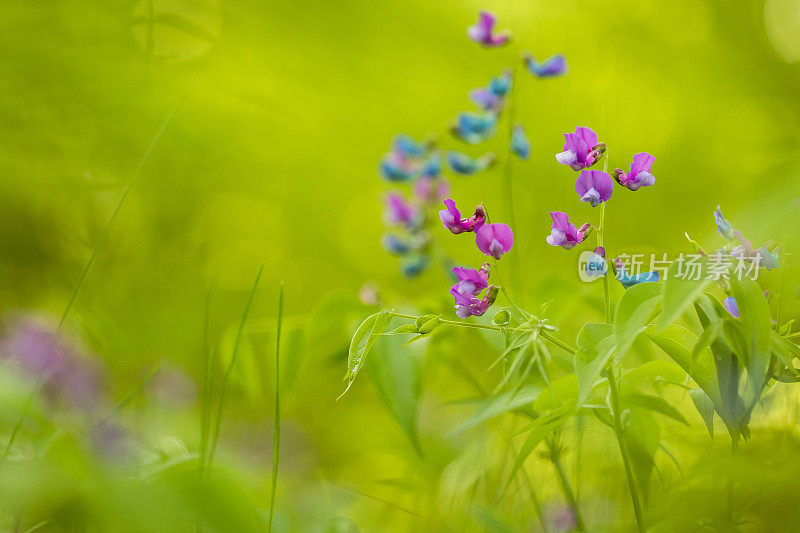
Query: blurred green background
x=287, y=107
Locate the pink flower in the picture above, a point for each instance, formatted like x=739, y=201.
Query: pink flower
x=639, y=173
x=451, y=218
x=482, y=32
x=581, y=150
x=564, y=233
x=494, y=239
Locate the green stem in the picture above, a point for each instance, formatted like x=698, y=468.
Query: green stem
x=276, y=439
x=731, y=484
x=496, y=270
x=566, y=487
x=508, y=192
x=623, y=449
x=558, y=342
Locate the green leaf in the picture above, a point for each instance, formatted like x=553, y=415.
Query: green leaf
x=595, y=348
x=633, y=312
x=677, y=342
x=756, y=323
x=429, y=325
x=658, y=371
x=538, y=430
x=396, y=373
x=362, y=342
x=424, y=319
x=496, y=405
x=705, y=407
x=654, y=403
x=680, y=293
x=405, y=328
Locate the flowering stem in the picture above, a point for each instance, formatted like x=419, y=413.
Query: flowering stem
x=508, y=191
x=623, y=448
x=496, y=270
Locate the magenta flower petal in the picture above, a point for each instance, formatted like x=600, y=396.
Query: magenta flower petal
x=494, y=239
x=451, y=218
x=594, y=186
x=482, y=32
x=564, y=233
x=639, y=174
x=581, y=149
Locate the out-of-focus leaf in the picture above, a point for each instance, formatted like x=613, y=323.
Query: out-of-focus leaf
x=396, y=372
x=499, y=404
x=362, y=342
x=757, y=327
x=538, y=430
x=658, y=371
x=705, y=407
x=643, y=437
x=633, y=312
x=677, y=342
x=681, y=292
x=595, y=348
x=654, y=403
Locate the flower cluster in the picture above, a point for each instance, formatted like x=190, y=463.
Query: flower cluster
x=582, y=150
x=493, y=240
x=420, y=166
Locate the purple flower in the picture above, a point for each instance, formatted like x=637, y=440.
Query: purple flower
x=761, y=257
x=564, y=233
x=639, y=173
x=41, y=353
x=581, y=150
x=733, y=308
x=549, y=68
x=724, y=227
x=474, y=128
x=451, y=218
x=430, y=191
x=494, y=239
x=629, y=281
x=470, y=281
x=486, y=99
x=399, y=211
x=482, y=32
x=466, y=165
x=594, y=186
x=520, y=144
x=469, y=305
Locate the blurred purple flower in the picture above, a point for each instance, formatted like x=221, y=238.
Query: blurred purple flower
x=451, y=218
x=724, y=227
x=733, y=308
x=629, y=281
x=549, y=68
x=594, y=186
x=48, y=357
x=494, y=239
x=470, y=281
x=474, y=128
x=403, y=161
x=520, y=144
x=761, y=257
x=639, y=174
x=470, y=305
x=482, y=32
x=466, y=165
x=399, y=210
x=431, y=191
x=581, y=150
x=564, y=233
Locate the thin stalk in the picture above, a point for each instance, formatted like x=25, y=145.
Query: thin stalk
x=623, y=449
x=229, y=370
x=496, y=270
x=208, y=376
x=508, y=190
x=566, y=487
x=276, y=430
x=731, y=484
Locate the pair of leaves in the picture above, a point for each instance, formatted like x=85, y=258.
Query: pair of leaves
x=363, y=340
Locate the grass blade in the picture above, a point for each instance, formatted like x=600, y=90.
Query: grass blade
x=276, y=438
x=231, y=364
